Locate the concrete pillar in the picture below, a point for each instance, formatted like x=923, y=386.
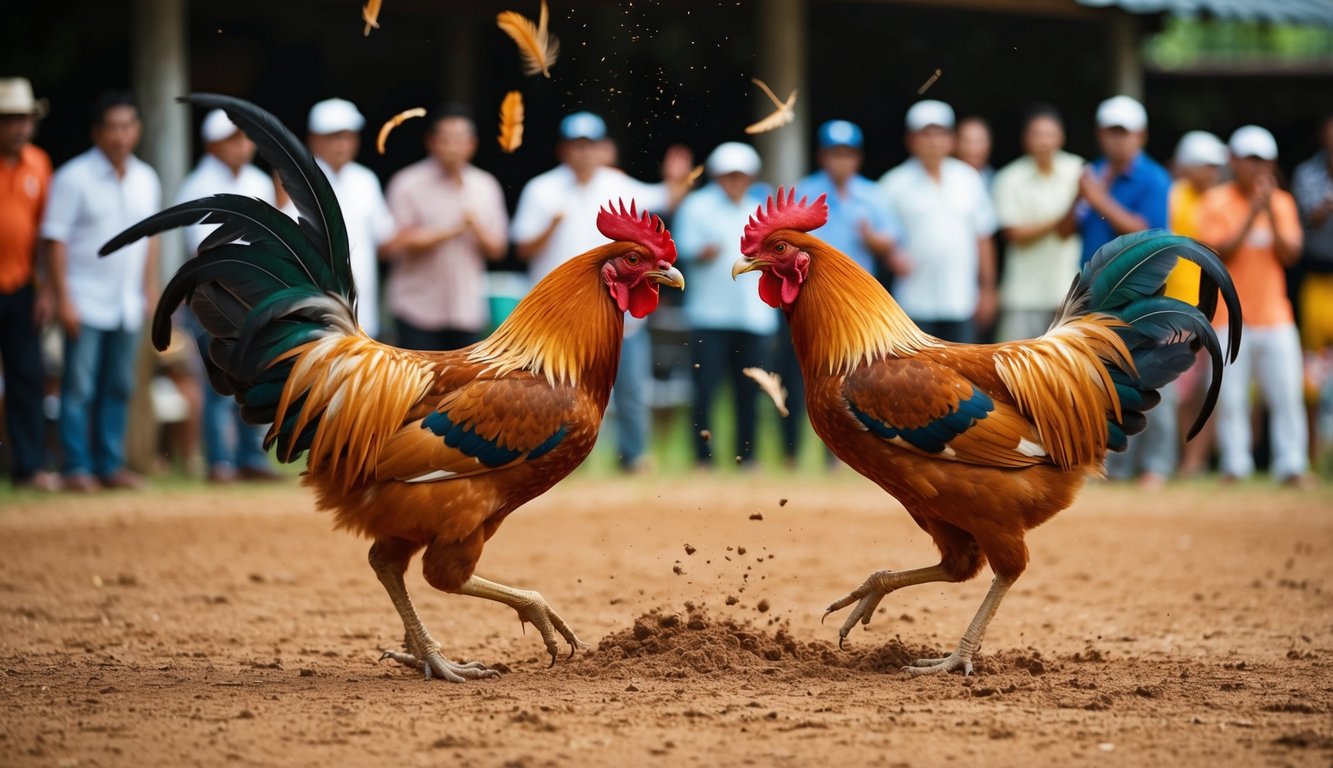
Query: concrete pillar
x=1124, y=39
x=783, y=49
x=161, y=68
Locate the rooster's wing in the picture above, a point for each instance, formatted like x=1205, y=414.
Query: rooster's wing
x=930, y=408
x=483, y=426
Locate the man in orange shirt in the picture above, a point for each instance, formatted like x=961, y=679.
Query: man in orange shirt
x=1255, y=228
x=25, y=174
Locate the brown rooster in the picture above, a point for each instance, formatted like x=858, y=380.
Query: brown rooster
x=980, y=442
x=411, y=449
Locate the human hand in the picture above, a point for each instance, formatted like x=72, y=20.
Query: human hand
x=1264, y=184
x=708, y=253
x=1091, y=187
x=43, y=309
x=68, y=316
x=900, y=263
x=988, y=307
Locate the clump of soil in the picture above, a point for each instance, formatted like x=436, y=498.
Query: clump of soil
x=673, y=644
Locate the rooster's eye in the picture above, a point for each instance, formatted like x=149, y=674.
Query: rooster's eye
x=632, y=259
x=780, y=247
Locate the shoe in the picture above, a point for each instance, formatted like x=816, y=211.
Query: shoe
x=80, y=482
x=221, y=474
x=43, y=482
x=257, y=475
x=123, y=479
x=1302, y=481
x=1151, y=481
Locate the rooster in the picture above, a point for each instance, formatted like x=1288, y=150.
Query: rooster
x=413, y=450
x=981, y=442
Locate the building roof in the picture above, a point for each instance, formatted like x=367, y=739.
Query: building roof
x=1280, y=11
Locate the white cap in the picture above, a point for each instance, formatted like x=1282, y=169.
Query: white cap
x=1122, y=112
x=1253, y=141
x=1198, y=148
x=929, y=112
x=334, y=115
x=733, y=157
x=217, y=126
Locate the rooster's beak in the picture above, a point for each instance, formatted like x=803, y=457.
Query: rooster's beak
x=670, y=276
x=746, y=264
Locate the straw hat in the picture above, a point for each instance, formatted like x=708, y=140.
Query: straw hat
x=16, y=98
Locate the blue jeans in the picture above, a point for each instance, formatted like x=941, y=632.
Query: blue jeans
x=719, y=357
x=95, y=400
x=633, y=379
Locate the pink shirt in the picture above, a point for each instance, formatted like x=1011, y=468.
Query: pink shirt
x=445, y=288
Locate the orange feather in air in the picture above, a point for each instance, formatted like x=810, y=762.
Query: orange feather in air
x=536, y=44
x=511, y=122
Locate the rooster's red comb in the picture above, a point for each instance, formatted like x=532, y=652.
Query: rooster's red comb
x=785, y=213
x=646, y=230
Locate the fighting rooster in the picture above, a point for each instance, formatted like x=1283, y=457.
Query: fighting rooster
x=411, y=449
x=981, y=442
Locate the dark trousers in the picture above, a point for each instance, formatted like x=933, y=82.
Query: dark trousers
x=788, y=367
x=21, y=356
x=413, y=337
x=719, y=356
x=957, y=331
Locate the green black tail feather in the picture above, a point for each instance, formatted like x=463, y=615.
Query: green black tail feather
x=261, y=284
x=1126, y=279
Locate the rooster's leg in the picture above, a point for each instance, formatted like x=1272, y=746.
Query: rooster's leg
x=962, y=658
x=423, y=653
x=875, y=588
x=531, y=607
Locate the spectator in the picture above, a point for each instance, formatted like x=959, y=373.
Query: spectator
x=334, y=139
x=730, y=327
x=25, y=175
x=1034, y=200
x=232, y=448
x=1126, y=191
x=1256, y=229
x=556, y=219
x=949, y=287
x=101, y=303
x=451, y=220
x=1312, y=186
x=1198, y=164
x=974, y=147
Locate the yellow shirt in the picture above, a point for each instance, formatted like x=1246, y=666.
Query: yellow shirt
x=1182, y=208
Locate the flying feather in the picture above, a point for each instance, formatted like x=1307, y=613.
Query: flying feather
x=784, y=114
x=511, y=122
x=370, y=13
x=771, y=384
x=394, y=122
x=536, y=44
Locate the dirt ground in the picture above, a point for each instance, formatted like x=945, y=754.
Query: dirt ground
x=232, y=626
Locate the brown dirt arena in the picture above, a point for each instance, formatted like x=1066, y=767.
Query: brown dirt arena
x=233, y=627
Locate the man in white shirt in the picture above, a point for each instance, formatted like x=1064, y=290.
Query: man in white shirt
x=949, y=290
x=334, y=139
x=556, y=220
x=101, y=303
x=232, y=448
x=1034, y=202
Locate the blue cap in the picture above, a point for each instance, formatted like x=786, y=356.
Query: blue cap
x=583, y=125
x=840, y=133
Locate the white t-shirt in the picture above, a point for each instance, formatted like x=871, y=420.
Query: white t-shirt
x=1037, y=273
x=88, y=205
x=942, y=222
x=212, y=177
x=558, y=191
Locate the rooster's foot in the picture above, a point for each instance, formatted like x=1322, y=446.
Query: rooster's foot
x=950, y=663
x=432, y=664
x=867, y=598
x=536, y=611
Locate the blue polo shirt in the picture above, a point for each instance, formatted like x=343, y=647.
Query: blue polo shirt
x=1142, y=189
x=864, y=202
